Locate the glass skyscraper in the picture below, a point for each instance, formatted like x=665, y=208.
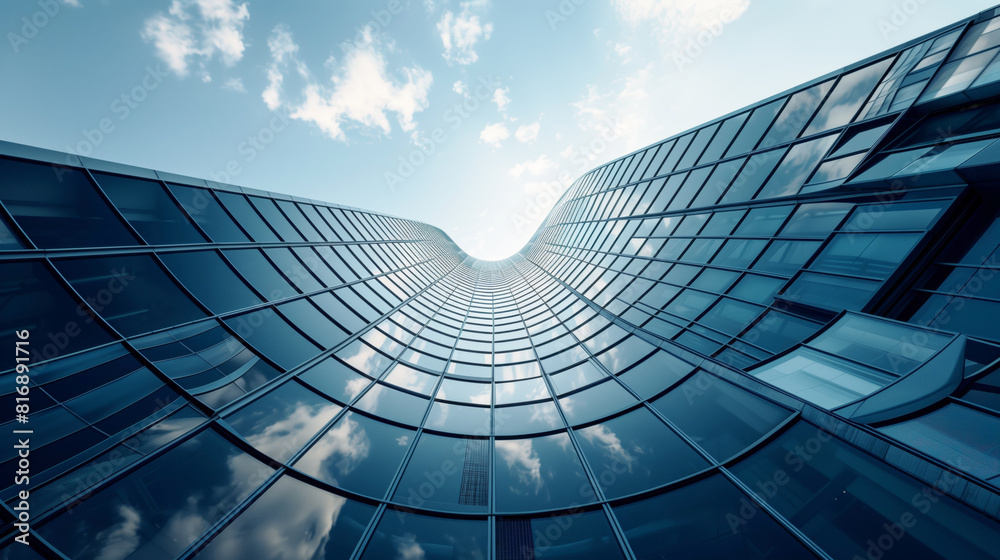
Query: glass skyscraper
x=776, y=335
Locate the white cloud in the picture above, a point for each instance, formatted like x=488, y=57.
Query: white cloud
x=197, y=31
x=494, y=134
x=500, y=98
x=461, y=33
x=678, y=21
x=235, y=84
x=74, y=3
x=362, y=93
x=622, y=50
x=534, y=167
x=528, y=132
x=460, y=88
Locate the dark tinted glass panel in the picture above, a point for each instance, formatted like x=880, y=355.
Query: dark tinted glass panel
x=445, y=473
x=206, y=211
x=723, y=138
x=357, y=454
x=282, y=421
x=796, y=167
x=141, y=515
x=150, y=210
x=260, y=273
x=293, y=521
x=847, y=97
x=247, y=217
x=334, y=378
x=580, y=536
x=314, y=323
x=752, y=176
x=8, y=239
x=273, y=337
x=755, y=127
x=35, y=301
x=293, y=269
x=636, y=452
x=539, y=473
x=275, y=218
x=210, y=280
x=845, y=501
x=399, y=406
x=59, y=207
x=407, y=535
x=296, y=216
x=131, y=292
x=707, y=520
x=721, y=418
x=796, y=114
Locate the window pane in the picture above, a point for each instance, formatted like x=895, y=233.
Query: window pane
x=847, y=97
x=247, y=217
x=202, y=479
x=33, y=299
x=59, y=207
x=703, y=521
x=293, y=521
x=210, y=280
x=149, y=209
x=636, y=452
x=456, y=470
x=752, y=176
x=796, y=114
x=208, y=213
x=844, y=499
x=260, y=273
x=539, y=473
x=358, y=454
x=405, y=535
x=758, y=122
x=797, y=166
x=579, y=536
x=273, y=337
x=720, y=417
x=282, y=421
x=275, y=218
x=131, y=292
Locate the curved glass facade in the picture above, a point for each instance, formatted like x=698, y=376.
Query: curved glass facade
x=772, y=336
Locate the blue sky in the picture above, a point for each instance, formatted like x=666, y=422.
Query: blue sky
x=472, y=116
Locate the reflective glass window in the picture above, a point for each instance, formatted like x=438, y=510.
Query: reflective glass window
x=539, y=473
x=282, y=421
x=313, y=322
x=845, y=500
x=459, y=419
x=706, y=520
x=447, y=473
x=385, y=402
x=271, y=335
x=796, y=167
x=206, y=211
x=59, y=207
x=357, y=454
x=273, y=216
x=150, y=210
x=35, y=300
x=847, y=97
x=720, y=417
x=202, y=479
x=292, y=520
x=796, y=114
x=755, y=126
x=752, y=176
x=578, y=536
x=210, y=280
x=133, y=293
x=405, y=535
x=261, y=274
x=635, y=452
x=335, y=379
